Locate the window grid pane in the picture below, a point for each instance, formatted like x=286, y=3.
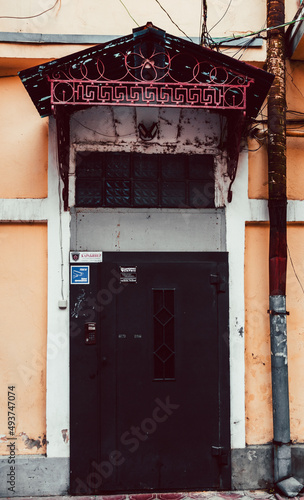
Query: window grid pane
x=147, y=181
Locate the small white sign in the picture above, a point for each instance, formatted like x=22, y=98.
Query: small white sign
x=85, y=257
x=128, y=274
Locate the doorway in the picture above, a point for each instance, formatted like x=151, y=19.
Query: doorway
x=150, y=374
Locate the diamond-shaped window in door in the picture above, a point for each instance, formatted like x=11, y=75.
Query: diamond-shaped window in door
x=163, y=318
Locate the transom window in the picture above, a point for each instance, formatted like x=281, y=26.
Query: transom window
x=144, y=181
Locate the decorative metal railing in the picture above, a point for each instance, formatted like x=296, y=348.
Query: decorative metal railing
x=159, y=80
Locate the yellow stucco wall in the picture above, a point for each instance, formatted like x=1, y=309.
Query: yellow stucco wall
x=258, y=371
x=224, y=18
x=257, y=341
x=257, y=156
x=23, y=166
x=295, y=328
x=178, y=17
x=23, y=170
x=76, y=16
x=258, y=168
x=23, y=309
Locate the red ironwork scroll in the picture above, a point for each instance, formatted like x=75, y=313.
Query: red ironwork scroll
x=159, y=80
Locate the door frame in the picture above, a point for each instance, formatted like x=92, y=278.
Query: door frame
x=221, y=283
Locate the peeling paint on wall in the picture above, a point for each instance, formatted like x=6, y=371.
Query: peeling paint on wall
x=65, y=435
x=30, y=443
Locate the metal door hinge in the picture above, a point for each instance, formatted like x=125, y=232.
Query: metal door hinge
x=216, y=280
x=221, y=454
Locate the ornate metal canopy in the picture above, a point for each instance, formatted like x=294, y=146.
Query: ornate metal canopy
x=152, y=79
x=147, y=68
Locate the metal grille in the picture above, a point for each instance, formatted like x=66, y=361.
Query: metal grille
x=149, y=75
x=164, y=348
x=144, y=181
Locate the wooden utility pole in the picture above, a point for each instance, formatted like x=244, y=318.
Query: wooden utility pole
x=277, y=148
x=277, y=203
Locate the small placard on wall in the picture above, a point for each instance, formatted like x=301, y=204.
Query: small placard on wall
x=128, y=274
x=85, y=257
x=80, y=275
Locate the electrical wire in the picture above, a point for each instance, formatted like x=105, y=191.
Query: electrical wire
x=255, y=150
x=201, y=17
x=60, y=229
x=263, y=119
x=205, y=38
x=247, y=45
x=173, y=21
x=294, y=270
x=244, y=48
x=253, y=33
x=99, y=133
x=218, y=22
x=300, y=113
x=261, y=113
x=293, y=83
x=204, y=33
x=295, y=112
x=288, y=111
x=31, y=17
x=61, y=239
x=128, y=12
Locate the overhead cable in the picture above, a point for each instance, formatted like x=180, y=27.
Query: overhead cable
x=172, y=20
x=225, y=40
x=221, y=17
x=205, y=39
x=128, y=12
x=294, y=270
x=31, y=17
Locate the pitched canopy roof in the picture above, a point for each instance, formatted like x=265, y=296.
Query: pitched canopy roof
x=147, y=68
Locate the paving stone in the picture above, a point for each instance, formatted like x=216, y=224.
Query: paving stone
x=228, y=495
x=257, y=494
x=215, y=497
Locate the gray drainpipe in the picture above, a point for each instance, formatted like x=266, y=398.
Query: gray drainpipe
x=277, y=203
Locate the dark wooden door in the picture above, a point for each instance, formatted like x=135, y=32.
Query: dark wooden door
x=151, y=407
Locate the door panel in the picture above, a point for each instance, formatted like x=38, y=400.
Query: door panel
x=160, y=375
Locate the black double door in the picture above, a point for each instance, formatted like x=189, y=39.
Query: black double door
x=150, y=374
